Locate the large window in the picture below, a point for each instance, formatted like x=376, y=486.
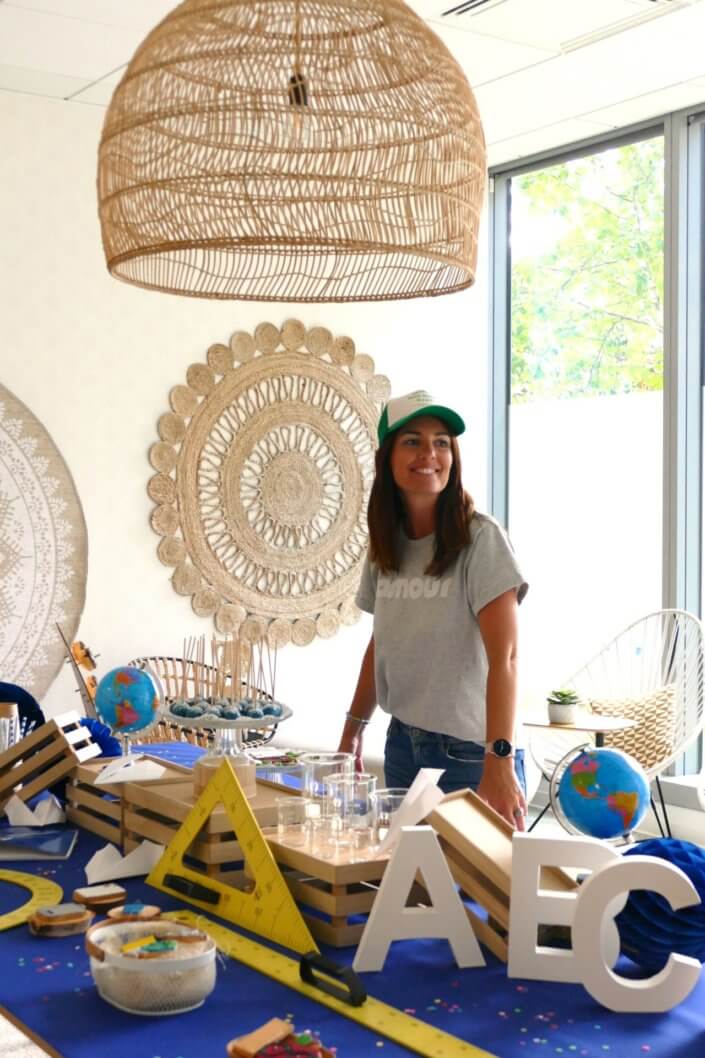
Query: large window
x=597, y=324
x=585, y=419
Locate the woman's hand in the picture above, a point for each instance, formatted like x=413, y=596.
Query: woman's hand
x=500, y=788
x=361, y=709
x=351, y=742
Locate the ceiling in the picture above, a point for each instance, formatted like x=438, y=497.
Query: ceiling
x=545, y=72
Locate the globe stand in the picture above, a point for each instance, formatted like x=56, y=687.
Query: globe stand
x=228, y=745
x=128, y=701
x=125, y=746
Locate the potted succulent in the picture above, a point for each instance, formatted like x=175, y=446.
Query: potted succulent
x=563, y=706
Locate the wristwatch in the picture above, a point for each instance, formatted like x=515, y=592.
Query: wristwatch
x=501, y=747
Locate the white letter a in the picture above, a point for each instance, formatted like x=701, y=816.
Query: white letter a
x=390, y=919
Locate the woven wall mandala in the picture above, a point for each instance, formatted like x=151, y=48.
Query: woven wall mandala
x=264, y=466
x=43, y=550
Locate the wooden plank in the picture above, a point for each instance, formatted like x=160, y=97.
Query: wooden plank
x=176, y=799
x=76, y=736
x=487, y=936
x=68, y=719
x=336, y=936
x=341, y=870
x=353, y=900
x=218, y=852
x=476, y=887
x=46, y=779
x=85, y=774
x=87, y=752
x=32, y=763
x=155, y=828
x=171, y=801
x=142, y=826
x=29, y=742
x=479, y=833
x=41, y=759
x=103, y=806
x=95, y=824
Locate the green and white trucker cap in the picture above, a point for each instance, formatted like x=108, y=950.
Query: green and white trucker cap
x=400, y=410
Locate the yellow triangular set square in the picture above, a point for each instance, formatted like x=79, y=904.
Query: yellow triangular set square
x=269, y=908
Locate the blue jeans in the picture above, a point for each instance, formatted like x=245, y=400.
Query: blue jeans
x=408, y=749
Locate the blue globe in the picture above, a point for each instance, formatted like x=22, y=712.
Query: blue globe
x=127, y=700
x=603, y=793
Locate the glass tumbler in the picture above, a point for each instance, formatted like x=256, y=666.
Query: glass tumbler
x=293, y=821
x=317, y=766
x=351, y=799
x=389, y=800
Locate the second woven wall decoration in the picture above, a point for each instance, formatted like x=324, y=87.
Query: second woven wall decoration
x=264, y=466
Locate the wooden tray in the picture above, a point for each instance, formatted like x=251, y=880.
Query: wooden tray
x=477, y=842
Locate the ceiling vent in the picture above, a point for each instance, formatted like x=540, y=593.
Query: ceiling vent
x=469, y=7
x=647, y=11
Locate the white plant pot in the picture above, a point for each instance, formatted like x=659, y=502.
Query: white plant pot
x=562, y=713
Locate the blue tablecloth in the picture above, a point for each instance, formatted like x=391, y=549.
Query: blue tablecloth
x=47, y=984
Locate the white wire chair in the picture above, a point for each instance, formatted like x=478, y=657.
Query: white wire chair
x=652, y=672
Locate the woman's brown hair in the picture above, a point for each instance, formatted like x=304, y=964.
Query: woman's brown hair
x=385, y=515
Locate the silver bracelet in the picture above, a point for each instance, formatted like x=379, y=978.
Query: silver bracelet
x=358, y=719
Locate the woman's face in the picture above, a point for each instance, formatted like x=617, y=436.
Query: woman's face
x=421, y=457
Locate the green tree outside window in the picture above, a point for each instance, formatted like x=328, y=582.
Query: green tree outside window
x=587, y=306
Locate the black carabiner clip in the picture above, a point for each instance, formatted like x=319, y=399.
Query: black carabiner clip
x=329, y=973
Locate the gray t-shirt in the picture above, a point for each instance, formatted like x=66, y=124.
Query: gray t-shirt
x=430, y=661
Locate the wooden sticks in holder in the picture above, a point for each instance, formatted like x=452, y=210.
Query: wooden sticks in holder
x=231, y=676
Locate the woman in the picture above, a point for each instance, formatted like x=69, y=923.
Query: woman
x=443, y=585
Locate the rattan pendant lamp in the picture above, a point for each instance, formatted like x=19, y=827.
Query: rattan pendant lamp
x=292, y=150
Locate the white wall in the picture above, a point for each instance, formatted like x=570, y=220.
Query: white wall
x=94, y=359
x=585, y=517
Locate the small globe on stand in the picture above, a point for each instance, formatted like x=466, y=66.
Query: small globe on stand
x=603, y=793
x=128, y=699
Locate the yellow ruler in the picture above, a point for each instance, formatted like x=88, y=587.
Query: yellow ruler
x=373, y=1014
x=269, y=908
x=45, y=893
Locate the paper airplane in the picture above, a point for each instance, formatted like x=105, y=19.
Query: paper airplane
x=108, y=863
x=129, y=769
x=48, y=811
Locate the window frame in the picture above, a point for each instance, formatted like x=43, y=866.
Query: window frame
x=684, y=247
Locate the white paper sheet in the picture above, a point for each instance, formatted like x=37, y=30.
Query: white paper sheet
x=108, y=863
x=422, y=798
x=129, y=769
x=47, y=812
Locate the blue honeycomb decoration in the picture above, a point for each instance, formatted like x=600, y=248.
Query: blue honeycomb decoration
x=648, y=926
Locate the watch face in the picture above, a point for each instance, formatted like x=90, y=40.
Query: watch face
x=502, y=748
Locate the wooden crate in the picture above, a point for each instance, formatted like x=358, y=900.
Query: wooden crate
x=42, y=758
x=156, y=812
x=334, y=888
x=100, y=808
